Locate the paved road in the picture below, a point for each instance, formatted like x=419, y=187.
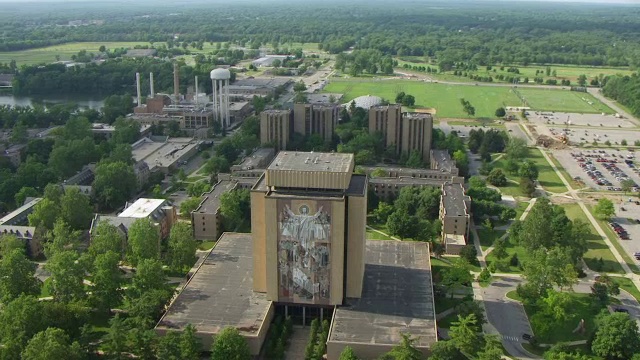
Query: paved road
x=507, y=316
x=612, y=104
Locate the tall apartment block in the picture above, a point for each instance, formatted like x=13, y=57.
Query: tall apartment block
x=276, y=127
x=320, y=119
x=406, y=132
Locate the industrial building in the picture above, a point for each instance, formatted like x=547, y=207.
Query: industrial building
x=160, y=211
x=164, y=153
x=321, y=119
x=14, y=154
x=107, y=130
x=276, y=127
x=307, y=257
x=406, y=132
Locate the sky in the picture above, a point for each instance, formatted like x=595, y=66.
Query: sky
x=264, y=1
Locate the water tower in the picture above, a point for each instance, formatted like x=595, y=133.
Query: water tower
x=220, y=81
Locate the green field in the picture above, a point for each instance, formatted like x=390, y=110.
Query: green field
x=562, y=71
x=566, y=101
x=597, y=247
x=445, y=98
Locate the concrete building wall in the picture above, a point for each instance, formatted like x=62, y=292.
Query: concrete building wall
x=339, y=220
x=388, y=121
x=364, y=351
x=356, y=232
x=275, y=128
x=311, y=119
x=308, y=179
x=416, y=135
x=205, y=226
x=259, y=234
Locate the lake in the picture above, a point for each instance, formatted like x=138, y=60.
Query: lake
x=83, y=102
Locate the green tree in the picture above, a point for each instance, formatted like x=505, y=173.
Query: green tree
x=17, y=276
x=497, y=178
x=24, y=193
x=116, y=106
x=235, y=208
x=406, y=350
x=217, y=164
x=143, y=242
x=464, y=334
x=182, y=247
x=8, y=243
x=516, y=148
x=445, y=350
x=20, y=319
x=106, y=237
x=75, y=209
x=106, y=292
x=582, y=80
x=115, y=341
x=127, y=131
x=528, y=169
x=415, y=160
x=114, y=184
x=67, y=275
x=190, y=345
x=401, y=225
x=382, y=212
x=187, y=206
x=229, y=344
x=169, y=346
x=492, y=349
x=457, y=276
x=348, y=354
x=527, y=186
x=500, y=112
x=44, y=214
x=627, y=185
x=299, y=86
x=547, y=268
x=604, y=209
x=149, y=276
x=51, y=343
x=616, y=336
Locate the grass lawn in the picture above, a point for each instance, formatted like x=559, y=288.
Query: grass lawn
x=627, y=285
x=581, y=307
x=520, y=208
x=616, y=243
x=65, y=51
x=547, y=177
x=511, y=189
x=45, y=290
x=562, y=71
x=206, y=245
x=374, y=235
x=445, y=98
x=565, y=101
x=520, y=252
x=437, y=266
x=597, y=248
x=488, y=237
x=574, y=184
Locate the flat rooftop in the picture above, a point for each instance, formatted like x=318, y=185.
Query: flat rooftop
x=10, y=218
x=452, y=239
x=220, y=292
x=397, y=297
x=453, y=198
x=162, y=153
x=211, y=202
x=443, y=160
x=142, y=208
x=260, y=82
x=401, y=170
x=255, y=160
x=407, y=181
x=312, y=161
x=237, y=105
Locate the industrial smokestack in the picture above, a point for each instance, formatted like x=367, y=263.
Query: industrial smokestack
x=176, y=82
x=153, y=93
x=138, y=89
x=196, y=90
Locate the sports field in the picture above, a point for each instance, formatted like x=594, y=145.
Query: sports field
x=562, y=71
x=568, y=101
x=445, y=98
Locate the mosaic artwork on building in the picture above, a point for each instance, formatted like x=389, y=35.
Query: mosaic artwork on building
x=304, y=236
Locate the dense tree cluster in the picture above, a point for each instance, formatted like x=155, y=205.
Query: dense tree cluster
x=626, y=90
x=479, y=34
x=414, y=213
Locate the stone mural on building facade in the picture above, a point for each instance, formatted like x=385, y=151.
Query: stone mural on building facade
x=304, y=239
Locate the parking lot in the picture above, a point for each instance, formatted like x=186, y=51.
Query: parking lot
x=601, y=169
x=588, y=136
x=627, y=220
x=576, y=119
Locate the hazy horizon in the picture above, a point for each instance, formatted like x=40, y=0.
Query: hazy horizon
x=180, y=2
